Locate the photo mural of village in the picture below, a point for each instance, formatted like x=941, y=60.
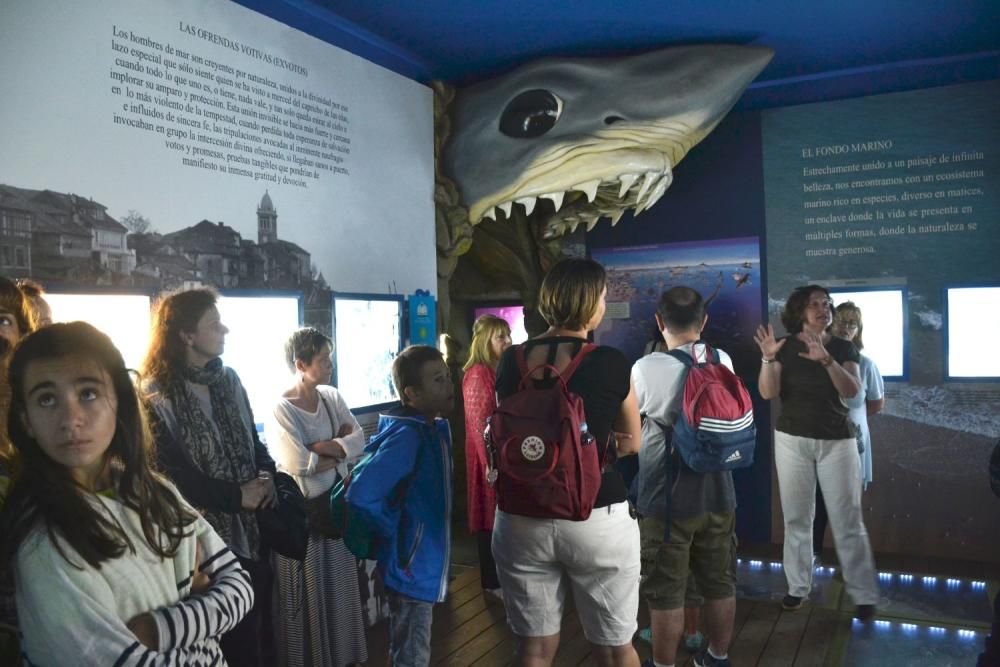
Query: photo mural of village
x=67, y=240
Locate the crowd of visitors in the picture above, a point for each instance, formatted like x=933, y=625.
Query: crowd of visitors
x=132, y=504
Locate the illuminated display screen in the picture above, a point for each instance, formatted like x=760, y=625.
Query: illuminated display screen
x=514, y=316
x=368, y=336
x=125, y=318
x=884, y=315
x=971, y=313
x=255, y=345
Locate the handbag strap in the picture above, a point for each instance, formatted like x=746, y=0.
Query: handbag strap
x=333, y=427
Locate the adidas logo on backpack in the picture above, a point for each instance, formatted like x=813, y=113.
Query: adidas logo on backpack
x=715, y=430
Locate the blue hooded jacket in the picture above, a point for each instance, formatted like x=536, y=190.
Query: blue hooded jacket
x=405, y=492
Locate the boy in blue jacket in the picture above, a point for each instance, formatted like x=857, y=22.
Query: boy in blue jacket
x=405, y=493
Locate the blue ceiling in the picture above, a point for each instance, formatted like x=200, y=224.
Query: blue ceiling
x=823, y=50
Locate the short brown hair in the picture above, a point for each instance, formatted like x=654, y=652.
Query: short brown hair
x=304, y=344
x=406, y=367
x=791, y=316
x=570, y=293
x=681, y=309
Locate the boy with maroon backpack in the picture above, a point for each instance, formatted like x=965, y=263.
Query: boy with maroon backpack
x=688, y=517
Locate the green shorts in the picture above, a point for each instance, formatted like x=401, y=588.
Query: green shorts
x=702, y=549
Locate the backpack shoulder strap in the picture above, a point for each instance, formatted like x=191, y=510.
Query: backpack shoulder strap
x=574, y=363
x=690, y=359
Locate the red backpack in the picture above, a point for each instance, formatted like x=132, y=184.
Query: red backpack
x=543, y=459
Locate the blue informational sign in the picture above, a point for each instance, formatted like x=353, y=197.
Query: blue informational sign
x=423, y=318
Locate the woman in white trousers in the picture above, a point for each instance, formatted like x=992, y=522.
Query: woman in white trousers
x=814, y=374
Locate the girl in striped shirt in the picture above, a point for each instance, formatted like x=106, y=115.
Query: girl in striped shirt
x=111, y=565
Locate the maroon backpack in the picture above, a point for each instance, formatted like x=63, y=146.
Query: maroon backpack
x=544, y=460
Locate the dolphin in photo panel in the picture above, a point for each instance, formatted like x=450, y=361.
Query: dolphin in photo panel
x=575, y=140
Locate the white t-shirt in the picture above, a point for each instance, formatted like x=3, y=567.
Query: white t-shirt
x=293, y=428
x=658, y=379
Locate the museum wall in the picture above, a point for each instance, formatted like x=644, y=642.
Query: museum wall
x=930, y=445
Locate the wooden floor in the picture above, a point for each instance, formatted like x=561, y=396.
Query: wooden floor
x=469, y=630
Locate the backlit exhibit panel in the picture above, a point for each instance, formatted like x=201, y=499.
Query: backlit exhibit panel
x=368, y=338
x=513, y=315
x=971, y=312
x=255, y=345
x=883, y=313
x=124, y=317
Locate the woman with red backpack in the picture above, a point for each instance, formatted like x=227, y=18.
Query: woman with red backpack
x=595, y=553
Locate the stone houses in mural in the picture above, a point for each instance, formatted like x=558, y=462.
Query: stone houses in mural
x=61, y=237
x=214, y=253
x=64, y=238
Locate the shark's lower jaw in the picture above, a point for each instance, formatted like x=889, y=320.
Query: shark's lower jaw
x=596, y=176
x=589, y=201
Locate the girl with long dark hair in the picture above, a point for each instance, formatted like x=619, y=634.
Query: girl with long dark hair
x=111, y=566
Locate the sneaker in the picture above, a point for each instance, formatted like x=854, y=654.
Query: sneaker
x=865, y=612
x=706, y=659
x=792, y=603
x=694, y=642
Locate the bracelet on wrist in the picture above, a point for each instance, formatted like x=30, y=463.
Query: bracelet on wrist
x=765, y=360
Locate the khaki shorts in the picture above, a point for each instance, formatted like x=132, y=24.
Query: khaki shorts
x=538, y=560
x=702, y=548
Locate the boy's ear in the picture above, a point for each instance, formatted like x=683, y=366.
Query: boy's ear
x=410, y=394
x=26, y=424
x=704, y=321
x=660, y=326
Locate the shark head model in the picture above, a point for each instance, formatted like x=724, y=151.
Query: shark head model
x=593, y=137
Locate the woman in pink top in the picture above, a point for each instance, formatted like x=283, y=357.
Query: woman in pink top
x=490, y=337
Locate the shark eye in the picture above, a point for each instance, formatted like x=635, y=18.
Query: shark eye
x=530, y=114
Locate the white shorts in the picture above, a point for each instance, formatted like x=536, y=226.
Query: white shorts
x=599, y=558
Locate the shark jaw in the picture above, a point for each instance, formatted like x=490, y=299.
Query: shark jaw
x=603, y=175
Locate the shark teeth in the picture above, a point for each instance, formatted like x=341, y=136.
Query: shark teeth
x=555, y=197
x=646, y=182
x=627, y=180
x=647, y=189
x=528, y=203
x=589, y=188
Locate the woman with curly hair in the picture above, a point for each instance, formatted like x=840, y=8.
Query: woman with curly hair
x=815, y=374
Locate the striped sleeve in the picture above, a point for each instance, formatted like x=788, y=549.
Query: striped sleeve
x=217, y=609
x=69, y=617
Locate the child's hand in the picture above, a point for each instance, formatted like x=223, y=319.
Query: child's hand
x=144, y=628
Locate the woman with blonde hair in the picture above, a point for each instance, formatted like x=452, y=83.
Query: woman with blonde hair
x=490, y=337
x=597, y=558
x=870, y=399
